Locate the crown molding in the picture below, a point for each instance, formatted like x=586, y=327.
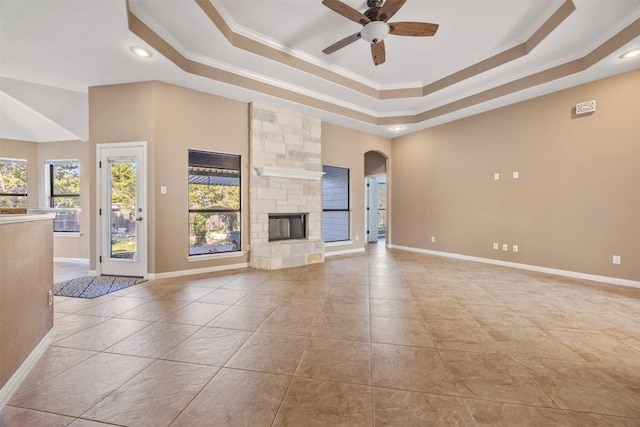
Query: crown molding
x=263, y=46
x=310, y=99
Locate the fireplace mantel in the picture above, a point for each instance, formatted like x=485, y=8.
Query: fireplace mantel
x=289, y=173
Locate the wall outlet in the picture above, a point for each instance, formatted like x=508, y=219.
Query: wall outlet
x=505, y=247
x=617, y=259
x=433, y=239
x=357, y=237
x=496, y=246
x=49, y=298
x=516, y=175
x=496, y=176
x=514, y=248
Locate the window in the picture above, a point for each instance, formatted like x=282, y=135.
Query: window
x=335, y=204
x=214, y=203
x=63, y=189
x=13, y=183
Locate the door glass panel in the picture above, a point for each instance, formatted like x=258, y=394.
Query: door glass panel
x=122, y=219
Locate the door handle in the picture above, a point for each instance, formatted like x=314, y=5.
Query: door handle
x=139, y=218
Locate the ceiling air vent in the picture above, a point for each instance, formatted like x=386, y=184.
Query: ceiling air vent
x=586, y=107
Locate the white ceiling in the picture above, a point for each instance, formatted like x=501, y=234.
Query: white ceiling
x=52, y=51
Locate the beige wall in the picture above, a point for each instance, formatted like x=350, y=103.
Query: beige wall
x=171, y=120
x=69, y=245
x=346, y=148
x=575, y=204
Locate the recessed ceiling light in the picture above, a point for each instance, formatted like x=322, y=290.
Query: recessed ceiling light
x=631, y=54
x=397, y=128
x=141, y=51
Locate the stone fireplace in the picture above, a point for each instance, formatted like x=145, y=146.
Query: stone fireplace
x=285, y=188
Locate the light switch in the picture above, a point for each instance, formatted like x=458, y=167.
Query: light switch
x=496, y=176
x=163, y=189
x=515, y=175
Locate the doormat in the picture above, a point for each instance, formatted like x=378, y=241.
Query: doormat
x=93, y=286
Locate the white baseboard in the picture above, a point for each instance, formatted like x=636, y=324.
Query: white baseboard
x=155, y=276
x=93, y=272
x=74, y=260
x=344, y=252
x=566, y=273
x=340, y=243
x=14, y=382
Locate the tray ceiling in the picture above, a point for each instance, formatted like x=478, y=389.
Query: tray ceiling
x=486, y=53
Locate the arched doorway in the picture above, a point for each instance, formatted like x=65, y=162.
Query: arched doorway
x=376, y=191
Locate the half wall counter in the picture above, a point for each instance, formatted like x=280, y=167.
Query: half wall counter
x=26, y=308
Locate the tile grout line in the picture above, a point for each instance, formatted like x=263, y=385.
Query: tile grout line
x=373, y=387
x=293, y=375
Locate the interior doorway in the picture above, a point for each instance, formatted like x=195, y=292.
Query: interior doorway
x=376, y=191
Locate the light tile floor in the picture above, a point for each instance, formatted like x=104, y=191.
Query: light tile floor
x=387, y=338
x=63, y=270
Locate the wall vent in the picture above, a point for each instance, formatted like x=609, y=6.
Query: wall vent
x=586, y=107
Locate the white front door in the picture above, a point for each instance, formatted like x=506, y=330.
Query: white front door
x=122, y=210
x=372, y=210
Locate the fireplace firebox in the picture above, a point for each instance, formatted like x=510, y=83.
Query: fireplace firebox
x=287, y=226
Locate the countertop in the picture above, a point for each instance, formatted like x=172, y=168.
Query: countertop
x=10, y=218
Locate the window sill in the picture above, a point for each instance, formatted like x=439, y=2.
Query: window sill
x=340, y=243
x=66, y=234
x=208, y=257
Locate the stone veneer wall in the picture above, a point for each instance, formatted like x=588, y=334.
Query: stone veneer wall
x=292, y=142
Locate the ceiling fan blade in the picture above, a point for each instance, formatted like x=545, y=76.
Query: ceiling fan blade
x=346, y=11
x=389, y=8
x=342, y=43
x=378, y=53
x=412, y=28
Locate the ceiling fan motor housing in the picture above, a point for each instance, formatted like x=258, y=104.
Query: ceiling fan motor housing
x=372, y=13
x=374, y=7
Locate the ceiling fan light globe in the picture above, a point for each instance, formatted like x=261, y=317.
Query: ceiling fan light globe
x=375, y=31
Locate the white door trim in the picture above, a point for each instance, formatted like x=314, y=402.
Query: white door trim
x=98, y=221
x=372, y=209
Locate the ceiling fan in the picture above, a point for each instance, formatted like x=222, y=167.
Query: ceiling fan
x=375, y=25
